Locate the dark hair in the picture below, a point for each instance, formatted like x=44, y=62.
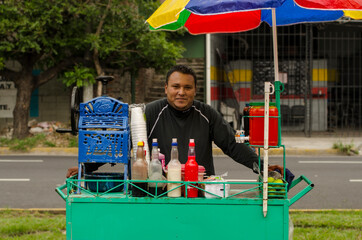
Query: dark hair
x=182, y=69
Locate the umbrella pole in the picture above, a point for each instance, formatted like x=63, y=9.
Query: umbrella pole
x=275, y=46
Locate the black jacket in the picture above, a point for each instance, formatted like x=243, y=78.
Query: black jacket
x=202, y=123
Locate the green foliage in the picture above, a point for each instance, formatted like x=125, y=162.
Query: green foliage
x=50, y=32
x=80, y=76
x=79, y=39
x=2, y=62
x=347, y=149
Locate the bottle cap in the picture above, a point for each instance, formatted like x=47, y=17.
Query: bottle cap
x=174, y=141
x=154, y=142
x=192, y=143
x=140, y=144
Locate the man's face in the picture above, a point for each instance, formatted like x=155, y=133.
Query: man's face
x=180, y=90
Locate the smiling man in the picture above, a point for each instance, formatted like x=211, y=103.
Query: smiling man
x=180, y=116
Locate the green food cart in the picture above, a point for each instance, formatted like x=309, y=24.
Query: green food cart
x=105, y=209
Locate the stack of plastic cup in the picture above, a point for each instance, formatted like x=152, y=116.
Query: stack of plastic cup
x=139, y=130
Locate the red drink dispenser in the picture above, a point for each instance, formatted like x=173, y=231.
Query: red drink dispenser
x=256, y=122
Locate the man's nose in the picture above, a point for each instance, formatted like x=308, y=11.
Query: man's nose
x=181, y=91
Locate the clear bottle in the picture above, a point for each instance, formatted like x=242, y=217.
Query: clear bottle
x=174, y=171
x=155, y=170
x=139, y=172
x=191, y=170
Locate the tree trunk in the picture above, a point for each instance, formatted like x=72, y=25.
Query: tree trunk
x=25, y=86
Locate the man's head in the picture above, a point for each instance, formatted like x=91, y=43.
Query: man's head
x=180, y=87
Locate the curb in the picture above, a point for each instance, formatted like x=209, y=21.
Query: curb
x=216, y=151
x=290, y=151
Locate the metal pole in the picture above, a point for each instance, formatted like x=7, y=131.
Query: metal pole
x=275, y=46
x=267, y=86
x=208, y=69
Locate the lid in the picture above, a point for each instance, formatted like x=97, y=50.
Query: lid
x=174, y=142
x=154, y=142
x=258, y=104
x=140, y=144
x=192, y=143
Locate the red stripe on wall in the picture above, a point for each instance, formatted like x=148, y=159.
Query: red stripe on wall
x=242, y=94
x=320, y=92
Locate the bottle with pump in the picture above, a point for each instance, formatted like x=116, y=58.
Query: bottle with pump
x=139, y=172
x=174, y=171
x=191, y=170
x=155, y=170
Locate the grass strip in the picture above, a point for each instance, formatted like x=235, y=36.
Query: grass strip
x=308, y=225
x=31, y=225
x=330, y=224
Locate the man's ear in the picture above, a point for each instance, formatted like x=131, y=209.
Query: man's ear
x=166, y=88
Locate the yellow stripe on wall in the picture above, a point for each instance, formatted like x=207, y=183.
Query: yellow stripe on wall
x=321, y=74
x=214, y=73
x=240, y=75
x=235, y=76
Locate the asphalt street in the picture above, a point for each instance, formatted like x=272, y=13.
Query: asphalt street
x=30, y=181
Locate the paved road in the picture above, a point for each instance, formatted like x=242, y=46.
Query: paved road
x=337, y=179
x=29, y=181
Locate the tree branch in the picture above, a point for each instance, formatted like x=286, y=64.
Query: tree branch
x=96, y=51
x=55, y=70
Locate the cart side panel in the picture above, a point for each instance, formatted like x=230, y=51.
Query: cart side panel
x=115, y=220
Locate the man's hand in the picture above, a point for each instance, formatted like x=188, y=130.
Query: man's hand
x=289, y=176
x=275, y=167
x=72, y=171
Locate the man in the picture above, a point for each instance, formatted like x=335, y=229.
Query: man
x=180, y=116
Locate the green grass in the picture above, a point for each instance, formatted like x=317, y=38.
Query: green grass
x=327, y=225
x=26, y=225
x=31, y=225
x=73, y=142
x=23, y=144
x=40, y=140
x=347, y=149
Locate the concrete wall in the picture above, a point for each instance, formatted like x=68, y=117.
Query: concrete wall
x=54, y=102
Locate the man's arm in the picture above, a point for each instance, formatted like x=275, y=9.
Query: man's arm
x=89, y=167
x=224, y=137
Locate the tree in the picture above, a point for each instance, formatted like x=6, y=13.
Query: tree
x=76, y=39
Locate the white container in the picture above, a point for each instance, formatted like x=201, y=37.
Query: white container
x=139, y=130
x=217, y=189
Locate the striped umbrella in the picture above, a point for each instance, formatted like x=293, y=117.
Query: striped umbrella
x=227, y=16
